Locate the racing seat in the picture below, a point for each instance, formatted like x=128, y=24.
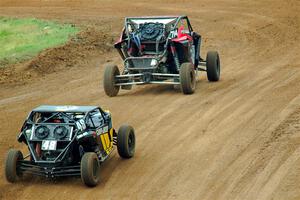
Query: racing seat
x=149, y=39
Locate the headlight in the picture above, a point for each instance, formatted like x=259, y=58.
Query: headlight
x=28, y=133
x=42, y=132
x=60, y=132
x=153, y=62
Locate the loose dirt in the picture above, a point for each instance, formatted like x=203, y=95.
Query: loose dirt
x=238, y=138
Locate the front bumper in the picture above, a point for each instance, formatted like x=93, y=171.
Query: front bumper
x=147, y=78
x=50, y=171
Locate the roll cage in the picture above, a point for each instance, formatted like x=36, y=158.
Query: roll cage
x=172, y=20
x=66, y=115
x=169, y=21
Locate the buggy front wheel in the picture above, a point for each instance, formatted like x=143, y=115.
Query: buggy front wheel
x=109, y=80
x=213, y=66
x=12, y=171
x=187, y=78
x=90, y=169
x=126, y=141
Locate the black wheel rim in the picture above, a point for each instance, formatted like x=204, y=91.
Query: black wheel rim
x=18, y=169
x=116, y=73
x=218, y=64
x=131, y=142
x=95, y=169
x=192, y=76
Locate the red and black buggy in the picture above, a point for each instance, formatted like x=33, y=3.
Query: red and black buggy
x=160, y=50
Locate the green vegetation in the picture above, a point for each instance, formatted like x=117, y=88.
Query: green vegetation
x=21, y=39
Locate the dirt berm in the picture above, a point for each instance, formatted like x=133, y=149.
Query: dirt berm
x=238, y=138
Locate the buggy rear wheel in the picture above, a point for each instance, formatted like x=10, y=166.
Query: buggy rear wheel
x=213, y=66
x=90, y=169
x=109, y=80
x=12, y=172
x=126, y=141
x=187, y=78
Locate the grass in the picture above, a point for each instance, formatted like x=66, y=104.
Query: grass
x=22, y=39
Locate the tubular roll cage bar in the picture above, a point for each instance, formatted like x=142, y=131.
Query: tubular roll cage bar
x=126, y=31
x=127, y=19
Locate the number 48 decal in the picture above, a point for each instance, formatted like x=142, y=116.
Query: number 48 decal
x=81, y=125
x=49, y=145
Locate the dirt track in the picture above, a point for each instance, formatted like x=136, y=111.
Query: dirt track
x=235, y=139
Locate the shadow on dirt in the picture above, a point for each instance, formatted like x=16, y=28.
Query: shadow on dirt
x=106, y=170
x=169, y=89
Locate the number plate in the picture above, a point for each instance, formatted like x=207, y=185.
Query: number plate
x=49, y=145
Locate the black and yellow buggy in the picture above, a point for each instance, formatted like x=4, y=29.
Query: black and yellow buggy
x=68, y=141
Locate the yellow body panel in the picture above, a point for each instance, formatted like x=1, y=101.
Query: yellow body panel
x=106, y=141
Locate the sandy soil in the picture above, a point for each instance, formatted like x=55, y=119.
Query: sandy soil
x=235, y=139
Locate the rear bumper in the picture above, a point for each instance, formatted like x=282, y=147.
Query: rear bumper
x=29, y=167
x=147, y=78
x=141, y=63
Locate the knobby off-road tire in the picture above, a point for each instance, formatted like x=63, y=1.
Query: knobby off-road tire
x=126, y=141
x=12, y=173
x=109, y=80
x=187, y=78
x=213, y=66
x=90, y=169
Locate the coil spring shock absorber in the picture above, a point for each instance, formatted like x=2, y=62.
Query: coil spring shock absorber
x=38, y=150
x=175, y=56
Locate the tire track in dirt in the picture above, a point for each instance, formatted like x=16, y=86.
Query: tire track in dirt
x=216, y=144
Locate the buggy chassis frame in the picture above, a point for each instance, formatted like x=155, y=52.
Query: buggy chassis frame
x=146, y=75
x=52, y=168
